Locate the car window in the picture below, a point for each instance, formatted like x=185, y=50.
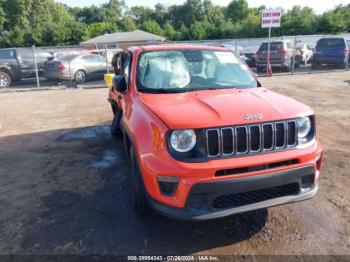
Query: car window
x=331, y=43
x=26, y=54
x=7, y=54
x=183, y=70
x=94, y=58
x=274, y=46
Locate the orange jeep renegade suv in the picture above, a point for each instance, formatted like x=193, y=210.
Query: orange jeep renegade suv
x=204, y=138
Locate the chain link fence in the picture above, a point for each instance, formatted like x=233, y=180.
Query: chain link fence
x=291, y=54
x=85, y=66
x=55, y=67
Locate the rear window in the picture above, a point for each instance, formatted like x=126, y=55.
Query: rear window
x=331, y=43
x=7, y=54
x=274, y=46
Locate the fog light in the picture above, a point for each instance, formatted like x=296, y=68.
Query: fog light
x=168, y=185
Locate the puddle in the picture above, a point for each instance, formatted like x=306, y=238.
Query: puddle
x=108, y=159
x=86, y=133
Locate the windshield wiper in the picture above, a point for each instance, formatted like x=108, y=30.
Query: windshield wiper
x=215, y=88
x=163, y=90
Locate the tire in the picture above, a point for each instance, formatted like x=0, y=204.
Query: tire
x=115, y=127
x=80, y=77
x=139, y=194
x=5, y=80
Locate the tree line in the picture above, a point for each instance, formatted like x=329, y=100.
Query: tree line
x=49, y=23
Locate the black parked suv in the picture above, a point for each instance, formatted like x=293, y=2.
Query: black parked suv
x=17, y=64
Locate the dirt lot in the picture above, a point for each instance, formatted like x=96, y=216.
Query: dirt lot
x=64, y=183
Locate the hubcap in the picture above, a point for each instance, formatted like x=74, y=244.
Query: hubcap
x=80, y=77
x=3, y=81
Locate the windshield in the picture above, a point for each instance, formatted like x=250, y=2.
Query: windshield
x=188, y=70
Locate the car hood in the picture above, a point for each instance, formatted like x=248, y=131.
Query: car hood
x=212, y=108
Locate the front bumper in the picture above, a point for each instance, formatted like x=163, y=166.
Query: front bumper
x=201, y=201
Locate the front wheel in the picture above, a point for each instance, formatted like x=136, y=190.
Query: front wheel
x=5, y=80
x=139, y=194
x=80, y=77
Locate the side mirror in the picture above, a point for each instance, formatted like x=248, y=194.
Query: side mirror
x=119, y=83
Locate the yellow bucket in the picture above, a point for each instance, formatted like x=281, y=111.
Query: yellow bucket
x=108, y=80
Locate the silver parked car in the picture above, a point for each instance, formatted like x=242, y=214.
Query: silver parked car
x=78, y=68
x=281, y=55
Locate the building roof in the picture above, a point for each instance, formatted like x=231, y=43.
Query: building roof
x=122, y=37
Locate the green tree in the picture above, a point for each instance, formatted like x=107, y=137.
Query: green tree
x=334, y=21
x=198, y=31
x=251, y=26
x=88, y=15
x=2, y=18
x=169, y=31
x=159, y=13
x=113, y=11
x=127, y=24
x=97, y=29
x=184, y=33
x=33, y=36
x=17, y=12
x=140, y=14
x=237, y=10
x=152, y=27
x=14, y=38
x=298, y=21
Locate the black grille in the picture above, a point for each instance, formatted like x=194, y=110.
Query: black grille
x=242, y=170
x=247, y=198
x=242, y=139
x=257, y=138
x=280, y=134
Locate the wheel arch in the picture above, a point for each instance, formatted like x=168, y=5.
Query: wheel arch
x=80, y=69
x=7, y=71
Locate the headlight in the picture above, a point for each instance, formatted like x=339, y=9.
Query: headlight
x=183, y=140
x=304, y=129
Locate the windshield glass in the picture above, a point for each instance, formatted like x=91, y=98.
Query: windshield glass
x=187, y=70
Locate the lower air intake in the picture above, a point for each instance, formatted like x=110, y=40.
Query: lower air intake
x=247, y=198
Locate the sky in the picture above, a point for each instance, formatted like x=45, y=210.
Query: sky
x=318, y=5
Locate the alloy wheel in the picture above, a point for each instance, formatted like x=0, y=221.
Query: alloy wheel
x=4, y=82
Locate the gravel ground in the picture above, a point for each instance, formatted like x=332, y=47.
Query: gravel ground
x=64, y=185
